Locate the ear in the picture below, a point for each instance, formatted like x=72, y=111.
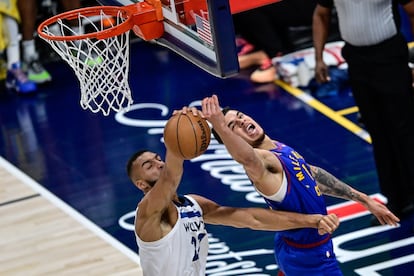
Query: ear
x=140, y=184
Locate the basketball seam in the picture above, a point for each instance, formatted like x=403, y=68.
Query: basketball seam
x=195, y=137
x=177, y=136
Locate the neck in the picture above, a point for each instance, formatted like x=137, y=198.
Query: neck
x=267, y=144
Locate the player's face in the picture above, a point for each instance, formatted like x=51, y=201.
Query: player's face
x=245, y=127
x=149, y=166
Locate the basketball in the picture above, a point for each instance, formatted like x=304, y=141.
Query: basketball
x=187, y=135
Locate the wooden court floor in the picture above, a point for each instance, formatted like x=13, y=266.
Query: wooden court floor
x=46, y=237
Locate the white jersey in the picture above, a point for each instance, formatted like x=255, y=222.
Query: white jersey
x=183, y=251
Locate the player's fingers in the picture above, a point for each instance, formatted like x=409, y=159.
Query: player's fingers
x=335, y=219
x=203, y=102
x=182, y=110
x=206, y=106
x=381, y=220
x=194, y=110
x=390, y=222
x=329, y=223
x=200, y=112
x=394, y=217
x=216, y=103
x=322, y=226
x=391, y=219
x=322, y=231
x=185, y=109
x=215, y=100
x=211, y=107
x=327, y=228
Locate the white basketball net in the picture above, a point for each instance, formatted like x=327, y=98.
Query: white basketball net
x=102, y=66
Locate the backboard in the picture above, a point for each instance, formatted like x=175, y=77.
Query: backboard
x=199, y=30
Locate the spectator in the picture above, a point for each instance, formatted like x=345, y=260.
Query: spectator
x=28, y=10
x=267, y=29
x=16, y=79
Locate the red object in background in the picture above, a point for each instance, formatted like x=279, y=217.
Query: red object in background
x=351, y=209
x=237, y=6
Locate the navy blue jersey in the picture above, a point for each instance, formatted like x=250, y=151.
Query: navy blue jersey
x=301, y=251
x=302, y=196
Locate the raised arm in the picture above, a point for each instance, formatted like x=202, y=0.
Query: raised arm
x=238, y=148
x=159, y=197
x=330, y=185
x=263, y=219
x=165, y=189
x=261, y=166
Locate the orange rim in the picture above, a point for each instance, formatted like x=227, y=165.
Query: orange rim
x=89, y=12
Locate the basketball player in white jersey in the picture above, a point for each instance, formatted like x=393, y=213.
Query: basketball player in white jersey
x=169, y=228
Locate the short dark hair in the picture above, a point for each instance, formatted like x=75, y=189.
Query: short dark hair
x=215, y=134
x=132, y=159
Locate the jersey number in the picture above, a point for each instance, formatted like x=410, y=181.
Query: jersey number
x=196, y=243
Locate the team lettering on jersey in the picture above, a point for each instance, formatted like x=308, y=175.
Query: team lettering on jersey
x=194, y=226
x=301, y=169
x=193, y=220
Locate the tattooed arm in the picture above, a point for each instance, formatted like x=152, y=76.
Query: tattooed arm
x=332, y=186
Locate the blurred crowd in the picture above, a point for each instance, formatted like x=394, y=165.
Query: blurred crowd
x=22, y=52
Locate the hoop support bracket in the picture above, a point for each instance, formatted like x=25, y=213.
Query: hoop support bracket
x=147, y=19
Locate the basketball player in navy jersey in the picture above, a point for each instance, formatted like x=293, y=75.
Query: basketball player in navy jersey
x=287, y=182
x=169, y=228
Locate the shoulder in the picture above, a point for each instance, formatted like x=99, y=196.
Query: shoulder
x=195, y=201
x=269, y=158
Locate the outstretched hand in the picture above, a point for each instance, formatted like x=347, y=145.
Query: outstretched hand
x=328, y=224
x=382, y=213
x=212, y=110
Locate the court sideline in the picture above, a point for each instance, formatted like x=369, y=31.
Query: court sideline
x=41, y=225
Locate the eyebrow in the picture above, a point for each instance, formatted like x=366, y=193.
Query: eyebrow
x=231, y=122
x=149, y=160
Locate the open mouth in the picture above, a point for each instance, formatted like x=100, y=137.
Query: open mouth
x=250, y=129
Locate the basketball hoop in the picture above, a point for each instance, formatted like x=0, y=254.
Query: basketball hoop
x=99, y=54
